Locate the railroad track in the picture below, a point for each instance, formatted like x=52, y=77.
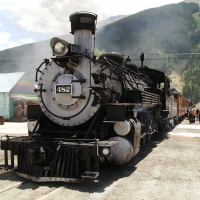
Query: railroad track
x=12, y=186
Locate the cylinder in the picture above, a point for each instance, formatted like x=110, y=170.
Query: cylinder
x=121, y=152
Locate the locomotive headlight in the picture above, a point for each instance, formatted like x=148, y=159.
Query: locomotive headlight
x=59, y=47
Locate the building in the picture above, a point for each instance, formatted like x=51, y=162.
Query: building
x=16, y=90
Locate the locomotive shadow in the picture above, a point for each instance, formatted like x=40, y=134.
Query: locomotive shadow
x=110, y=173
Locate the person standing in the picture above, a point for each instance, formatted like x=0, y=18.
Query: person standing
x=199, y=118
x=194, y=114
x=197, y=112
x=190, y=115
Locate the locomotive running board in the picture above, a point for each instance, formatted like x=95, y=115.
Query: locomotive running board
x=48, y=179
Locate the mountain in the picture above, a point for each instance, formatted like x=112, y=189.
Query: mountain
x=27, y=58
x=191, y=1
x=163, y=34
x=166, y=29
x=110, y=20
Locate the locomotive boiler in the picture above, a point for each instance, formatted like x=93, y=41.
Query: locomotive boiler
x=90, y=110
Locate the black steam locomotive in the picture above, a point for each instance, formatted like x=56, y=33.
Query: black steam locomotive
x=90, y=110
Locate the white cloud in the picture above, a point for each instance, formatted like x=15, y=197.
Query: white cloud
x=52, y=16
x=9, y=44
x=5, y=43
x=27, y=40
x=12, y=44
x=45, y=16
x=4, y=37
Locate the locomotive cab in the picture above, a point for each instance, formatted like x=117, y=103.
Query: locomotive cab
x=168, y=101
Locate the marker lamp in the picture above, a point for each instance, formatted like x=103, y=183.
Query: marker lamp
x=105, y=151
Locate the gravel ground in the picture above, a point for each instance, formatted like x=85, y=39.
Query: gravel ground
x=165, y=169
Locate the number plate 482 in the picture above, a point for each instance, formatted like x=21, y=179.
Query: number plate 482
x=63, y=89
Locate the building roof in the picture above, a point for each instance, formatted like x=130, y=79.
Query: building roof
x=23, y=89
x=9, y=80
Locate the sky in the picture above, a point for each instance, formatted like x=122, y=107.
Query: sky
x=24, y=21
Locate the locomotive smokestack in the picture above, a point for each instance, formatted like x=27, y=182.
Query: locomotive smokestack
x=83, y=27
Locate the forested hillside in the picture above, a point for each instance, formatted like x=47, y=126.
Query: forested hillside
x=157, y=31
x=166, y=35
x=191, y=74
x=191, y=77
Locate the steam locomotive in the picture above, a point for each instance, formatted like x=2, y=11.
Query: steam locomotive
x=90, y=110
